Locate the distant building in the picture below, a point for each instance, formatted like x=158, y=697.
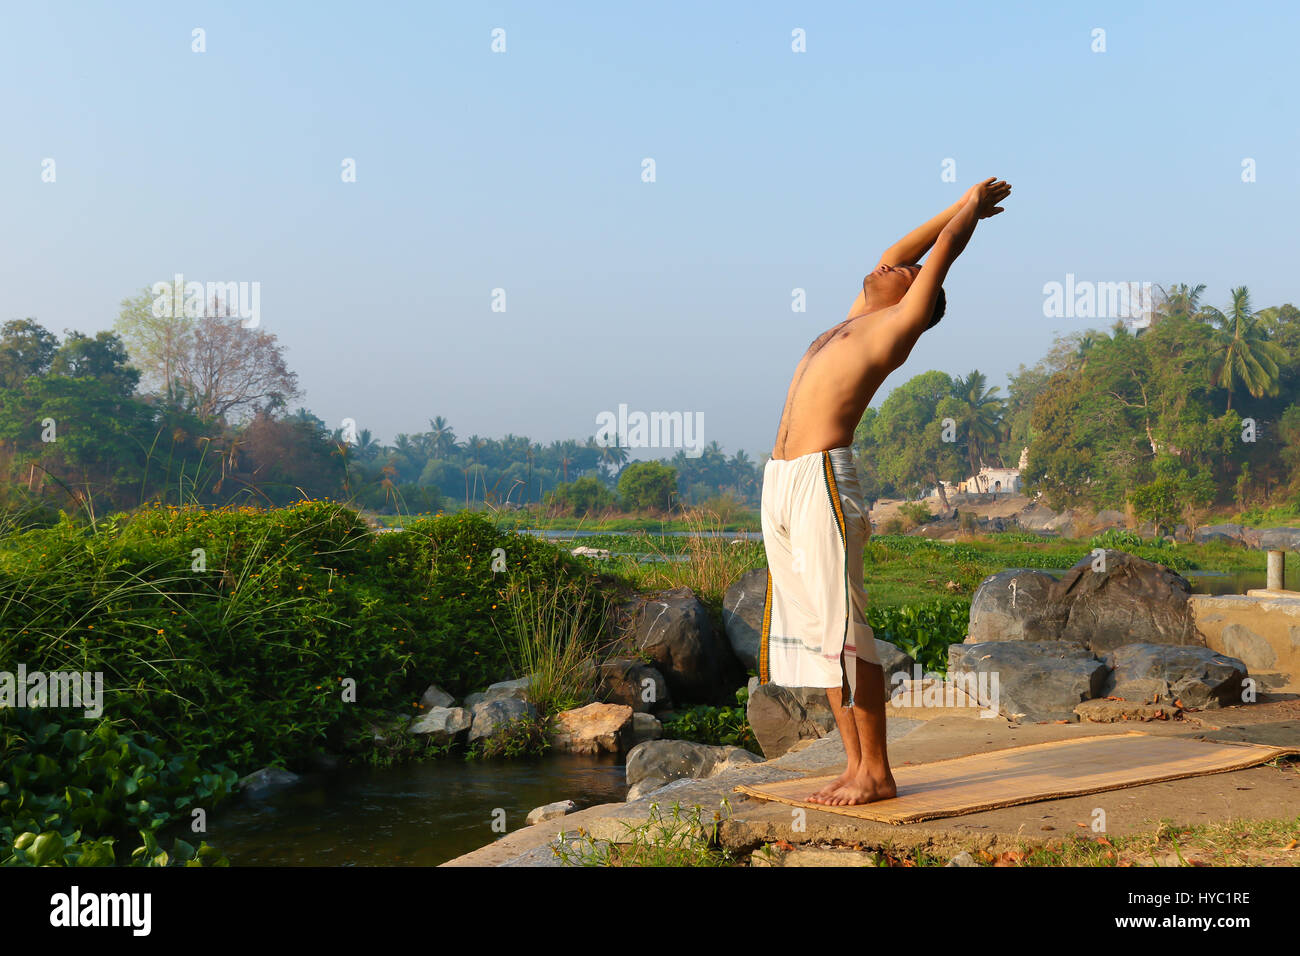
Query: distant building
x=989, y=481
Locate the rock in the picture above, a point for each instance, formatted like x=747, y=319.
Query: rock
x=1182, y=534
x=1279, y=539
x=893, y=660
x=962, y=859
x=596, y=728
x=1033, y=680
x=261, y=782
x=442, y=724
x=1142, y=690
x=1015, y=605
x=517, y=689
x=639, y=686
x=1196, y=676
x=742, y=615
x=490, y=717
x=782, y=716
x=674, y=629
x=1233, y=533
x=657, y=763
x=1131, y=601
x=645, y=727
x=435, y=696
x=1035, y=517
x=549, y=812
x=1110, y=711
x=585, y=552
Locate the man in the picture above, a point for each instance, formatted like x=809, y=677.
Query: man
x=815, y=632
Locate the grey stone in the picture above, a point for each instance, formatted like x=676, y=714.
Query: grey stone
x=1035, y=680
x=962, y=859
x=549, y=812
x=1131, y=601
x=435, y=696
x=656, y=763
x=742, y=615
x=625, y=680
x=1279, y=539
x=674, y=630
x=645, y=727
x=782, y=716
x=268, y=779
x=1219, y=532
x=490, y=717
x=443, y=724
x=1000, y=611
x=1197, y=676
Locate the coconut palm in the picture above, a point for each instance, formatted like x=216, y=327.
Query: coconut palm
x=982, y=415
x=1243, y=354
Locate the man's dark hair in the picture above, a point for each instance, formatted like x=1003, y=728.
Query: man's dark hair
x=940, y=306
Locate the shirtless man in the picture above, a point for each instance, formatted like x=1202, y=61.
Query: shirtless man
x=814, y=522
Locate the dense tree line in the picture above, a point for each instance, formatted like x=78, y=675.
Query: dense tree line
x=1200, y=408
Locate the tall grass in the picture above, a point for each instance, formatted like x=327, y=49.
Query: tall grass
x=712, y=562
x=555, y=640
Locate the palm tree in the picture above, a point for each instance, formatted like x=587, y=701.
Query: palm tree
x=1182, y=300
x=983, y=415
x=443, y=437
x=1248, y=357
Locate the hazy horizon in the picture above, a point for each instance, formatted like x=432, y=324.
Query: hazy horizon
x=522, y=170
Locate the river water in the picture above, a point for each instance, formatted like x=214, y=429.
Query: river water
x=410, y=815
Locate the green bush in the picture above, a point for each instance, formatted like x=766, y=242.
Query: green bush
x=923, y=631
x=79, y=793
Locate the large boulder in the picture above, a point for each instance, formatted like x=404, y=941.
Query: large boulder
x=1279, y=539
x=1015, y=605
x=1230, y=533
x=596, y=728
x=1196, y=676
x=442, y=724
x=782, y=716
x=657, y=763
x=1033, y=680
x=1129, y=601
x=625, y=680
x=516, y=689
x=742, y=616
x=491, y=717
x=674, y=630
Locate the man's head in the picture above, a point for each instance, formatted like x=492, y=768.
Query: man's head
x=886, y=286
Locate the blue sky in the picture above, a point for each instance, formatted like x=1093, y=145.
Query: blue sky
x=521, y=170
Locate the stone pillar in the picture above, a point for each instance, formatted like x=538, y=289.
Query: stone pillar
x=1276, y=570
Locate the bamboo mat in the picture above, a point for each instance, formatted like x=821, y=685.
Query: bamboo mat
x=1005, y=778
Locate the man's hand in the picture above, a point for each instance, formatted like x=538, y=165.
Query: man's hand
x=987, y=195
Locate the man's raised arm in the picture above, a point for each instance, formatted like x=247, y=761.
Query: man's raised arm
x=909, y=250
x=903, y=324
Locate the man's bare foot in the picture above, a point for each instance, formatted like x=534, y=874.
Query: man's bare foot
x=824, y=793
x=862, y=789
